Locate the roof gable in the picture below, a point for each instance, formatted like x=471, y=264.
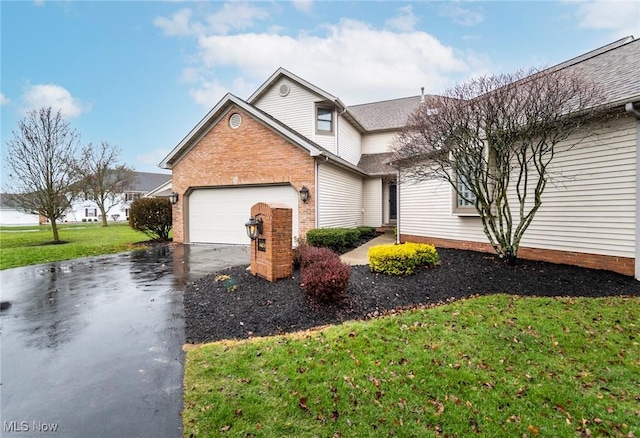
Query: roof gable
x=283, y=73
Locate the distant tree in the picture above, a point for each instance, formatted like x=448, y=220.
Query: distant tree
x=104, y=179
x=152, y=216
x=42, y=158
x=493, y=140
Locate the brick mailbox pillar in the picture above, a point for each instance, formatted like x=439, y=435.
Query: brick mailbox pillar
x=271, y=255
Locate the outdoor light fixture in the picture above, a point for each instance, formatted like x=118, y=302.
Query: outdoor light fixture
x=173, y=198
x=254, y=228
x=304, y=194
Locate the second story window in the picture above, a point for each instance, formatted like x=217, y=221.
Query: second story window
x=131, y=196
x=324, y=120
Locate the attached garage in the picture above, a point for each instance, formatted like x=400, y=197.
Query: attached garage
x=218, y=215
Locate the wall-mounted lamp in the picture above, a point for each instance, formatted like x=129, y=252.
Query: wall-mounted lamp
x=254, y=228
x=173, y=198
x=304, y=194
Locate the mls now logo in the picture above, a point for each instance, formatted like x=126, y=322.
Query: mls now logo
x=25, y=426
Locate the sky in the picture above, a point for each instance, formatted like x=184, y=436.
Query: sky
x=141, y=74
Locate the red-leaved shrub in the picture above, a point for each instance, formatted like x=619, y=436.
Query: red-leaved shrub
x=324, y=277
x=312, y=254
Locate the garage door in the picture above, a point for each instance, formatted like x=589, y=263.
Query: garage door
x=219, y=215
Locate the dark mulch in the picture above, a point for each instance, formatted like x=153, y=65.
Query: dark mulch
x=260, y=308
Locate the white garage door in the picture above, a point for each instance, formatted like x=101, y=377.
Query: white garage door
x=219, y=215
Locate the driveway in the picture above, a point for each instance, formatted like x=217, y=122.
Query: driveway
x=93, y=347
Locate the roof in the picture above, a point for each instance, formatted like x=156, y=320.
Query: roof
x=613, y=67
x=146, y=181
x=7, y=201
x=387, y=114
x=376, y=164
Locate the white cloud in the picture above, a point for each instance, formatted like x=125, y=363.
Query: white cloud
x=4, y=100
x=353, y=60
x=303, y=5
x=230, y=16
x=622, y=18
x=462, y=16
x=405, y=21
x=55, y=96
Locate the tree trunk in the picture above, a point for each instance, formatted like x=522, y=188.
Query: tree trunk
x=54, y=229
x=104, y=217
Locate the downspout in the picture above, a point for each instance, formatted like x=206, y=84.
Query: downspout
x=631, y=110
x=398, y=214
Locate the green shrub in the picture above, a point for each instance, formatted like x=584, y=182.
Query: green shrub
x=336, y=239
x=152, y=216
x=324, y=276
x=401, y=259
x=366, y=232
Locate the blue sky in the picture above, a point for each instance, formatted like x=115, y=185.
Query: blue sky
x=141, y=74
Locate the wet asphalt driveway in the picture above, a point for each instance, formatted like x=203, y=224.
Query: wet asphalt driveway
x=93, y=347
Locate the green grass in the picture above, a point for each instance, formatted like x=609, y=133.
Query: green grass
x=22, y=246
x=490, y=366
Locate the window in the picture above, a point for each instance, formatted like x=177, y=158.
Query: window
x=463, y=199
x=91, y=212
x=131, y=196
x=324, y=120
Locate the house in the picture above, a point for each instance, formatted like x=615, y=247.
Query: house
x=11, y=215
x=144, y=183
x=291, y=135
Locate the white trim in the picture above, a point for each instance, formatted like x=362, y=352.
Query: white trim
x=637, y=258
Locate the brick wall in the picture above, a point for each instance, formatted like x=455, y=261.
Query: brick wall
x=250, y=154
x=274, y=262
x=622, y=265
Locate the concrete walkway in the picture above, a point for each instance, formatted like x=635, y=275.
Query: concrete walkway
x=359, y=255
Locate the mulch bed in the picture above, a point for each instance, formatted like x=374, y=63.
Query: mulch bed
x=256, y=307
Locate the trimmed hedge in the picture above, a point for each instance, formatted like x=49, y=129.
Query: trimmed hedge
x=324, y=277
x=152, y=216
x=401, y=259
x=336, y=239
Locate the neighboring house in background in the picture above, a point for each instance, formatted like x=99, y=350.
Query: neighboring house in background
x=291, y=134
x=88, y=211
x=10, y=215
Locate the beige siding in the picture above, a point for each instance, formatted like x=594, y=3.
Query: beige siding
x=371, y=200
x=377, y=143
x=349, y=142
x=339, y=197
x=295, y=110
x=589, y=206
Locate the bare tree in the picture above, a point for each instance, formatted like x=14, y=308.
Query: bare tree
x=493, y=140
x=104, y=179
x=42, y=158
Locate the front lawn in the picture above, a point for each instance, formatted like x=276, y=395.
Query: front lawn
x=22, y=246
x=497, y=365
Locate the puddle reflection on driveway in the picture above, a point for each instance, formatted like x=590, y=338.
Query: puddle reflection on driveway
x=93, y=347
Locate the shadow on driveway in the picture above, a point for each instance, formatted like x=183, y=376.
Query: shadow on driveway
x=93, y=347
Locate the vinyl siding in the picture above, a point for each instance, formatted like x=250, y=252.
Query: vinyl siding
x=295, y=110
x=349, y=142
x=377, y=143
x=589, y=206
x=339, y=197
x=371, y=200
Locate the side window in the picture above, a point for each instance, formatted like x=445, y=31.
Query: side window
x=324, y=120
x=463, y=200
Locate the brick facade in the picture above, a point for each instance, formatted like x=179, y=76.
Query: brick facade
x=249, y=154
x=622, y=265
x=274, y=261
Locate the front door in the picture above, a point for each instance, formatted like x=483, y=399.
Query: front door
x=393, y=203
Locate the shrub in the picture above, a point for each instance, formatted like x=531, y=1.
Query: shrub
x=315, y=255
x=152, y=216
x=336, y=239
x=326, y=279
x=401, y=259
x=366, y=232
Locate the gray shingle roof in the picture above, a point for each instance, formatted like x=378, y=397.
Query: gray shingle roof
x=388, y=114
x=146, y=181
x=377, y=164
